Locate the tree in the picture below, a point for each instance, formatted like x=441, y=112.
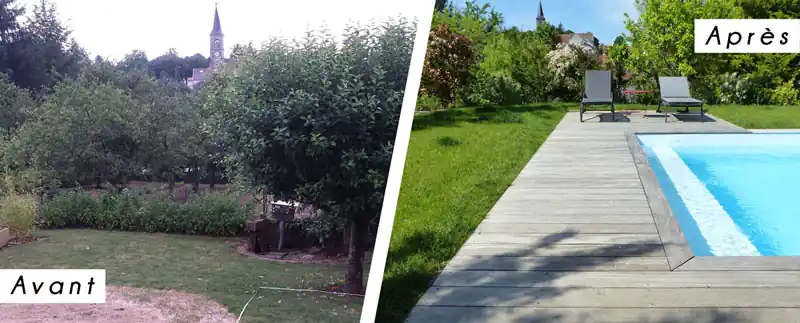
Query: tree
x=41, y=53
x=547, y=34
x=662, y=39
x=478, y=22
x=447, y=64
x=567, y=64
x=619, y=54
x=82, y=133
x=15, y=105
x=314, y=123
x=440, y=5
x=513, y=57
x=134, y=61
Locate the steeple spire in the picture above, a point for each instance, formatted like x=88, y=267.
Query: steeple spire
x=540, y=19
x=541, y=12
x=217, y=30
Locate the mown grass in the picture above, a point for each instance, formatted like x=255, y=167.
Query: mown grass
x=193, y=264
x=459, y=163
x=759, y=116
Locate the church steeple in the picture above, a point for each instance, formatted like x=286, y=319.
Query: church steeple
x=217, y=44
x=540, y=19
x=218, y=27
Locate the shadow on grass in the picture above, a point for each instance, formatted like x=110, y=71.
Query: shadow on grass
x=490, y=114
x=519, y=286
x=447, y=141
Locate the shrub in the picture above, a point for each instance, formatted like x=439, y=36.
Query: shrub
x=18, y=214
x=428, y=103
x=71, y=209
x=214, y=214
x=785, y=94
x=208, y=214
x=494, y=90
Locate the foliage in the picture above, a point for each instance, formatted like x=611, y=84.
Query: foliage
x=18, y=214
x=478, y=22
x=428, y=103
x=734, y=88
x=785, y=94
x=204, y=214
x=39, y=52
x=662, y=38
x=447, y=64
x=522, y=57
x=568, y=64
x=15, y=105
x=314, y=123
x=321, y=227
x=618, y=59
x=546, y=34
x=496, y=89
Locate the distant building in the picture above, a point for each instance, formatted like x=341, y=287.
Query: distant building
x=586, y=39
x=217, y=57
x=540, y=19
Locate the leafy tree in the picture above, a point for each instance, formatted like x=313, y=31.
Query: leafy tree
x=15, y=105
x=82, y=133
x=517, y=56
x=135, y=61
x=440, y=5
x=447, y=64
x=42, y=52
x=547, y=34
x=619, y=54
x=662, y=39
x=314, y=123
x=478, y=22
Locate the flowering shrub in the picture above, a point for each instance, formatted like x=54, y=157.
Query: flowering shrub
x=568, y=63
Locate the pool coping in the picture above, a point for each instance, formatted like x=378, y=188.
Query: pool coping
x=676, y=247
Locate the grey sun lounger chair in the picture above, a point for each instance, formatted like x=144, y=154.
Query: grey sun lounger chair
x=597, y=91
x=675, y=93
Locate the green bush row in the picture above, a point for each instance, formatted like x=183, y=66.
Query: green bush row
x=208, y=214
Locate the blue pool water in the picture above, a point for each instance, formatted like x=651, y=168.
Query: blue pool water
x=733, y=194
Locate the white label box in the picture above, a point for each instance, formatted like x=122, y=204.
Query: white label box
x=53, y=286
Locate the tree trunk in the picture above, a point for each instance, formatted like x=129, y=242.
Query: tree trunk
x=212, y=175
x=196, y=185
x=171, y=186
x=354, y=279
x=38, y=206
x=281, y=230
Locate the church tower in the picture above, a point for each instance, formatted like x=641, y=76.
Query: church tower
x=217, y=44
x=540, y=18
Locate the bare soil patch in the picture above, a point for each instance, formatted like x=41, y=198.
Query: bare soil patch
x=295, y=256
x=124, y=305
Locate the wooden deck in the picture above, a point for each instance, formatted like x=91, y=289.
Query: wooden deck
x=574, y=239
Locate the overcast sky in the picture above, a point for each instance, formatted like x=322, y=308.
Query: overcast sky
x=114, y=28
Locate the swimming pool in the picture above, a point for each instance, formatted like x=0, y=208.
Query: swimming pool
x=732, y=194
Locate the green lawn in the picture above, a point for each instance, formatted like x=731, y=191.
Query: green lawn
x=193, y=264
x=459, y=163
x=759, y=117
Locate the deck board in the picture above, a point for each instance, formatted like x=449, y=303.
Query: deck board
x=574, y=239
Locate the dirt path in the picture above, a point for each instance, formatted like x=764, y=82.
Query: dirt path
x=124, y=304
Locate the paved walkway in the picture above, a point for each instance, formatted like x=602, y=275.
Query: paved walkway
x=573, y=239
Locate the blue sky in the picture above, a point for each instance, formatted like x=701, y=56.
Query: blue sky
x=604, y=18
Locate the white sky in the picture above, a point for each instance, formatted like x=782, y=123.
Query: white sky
x=113, y=28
